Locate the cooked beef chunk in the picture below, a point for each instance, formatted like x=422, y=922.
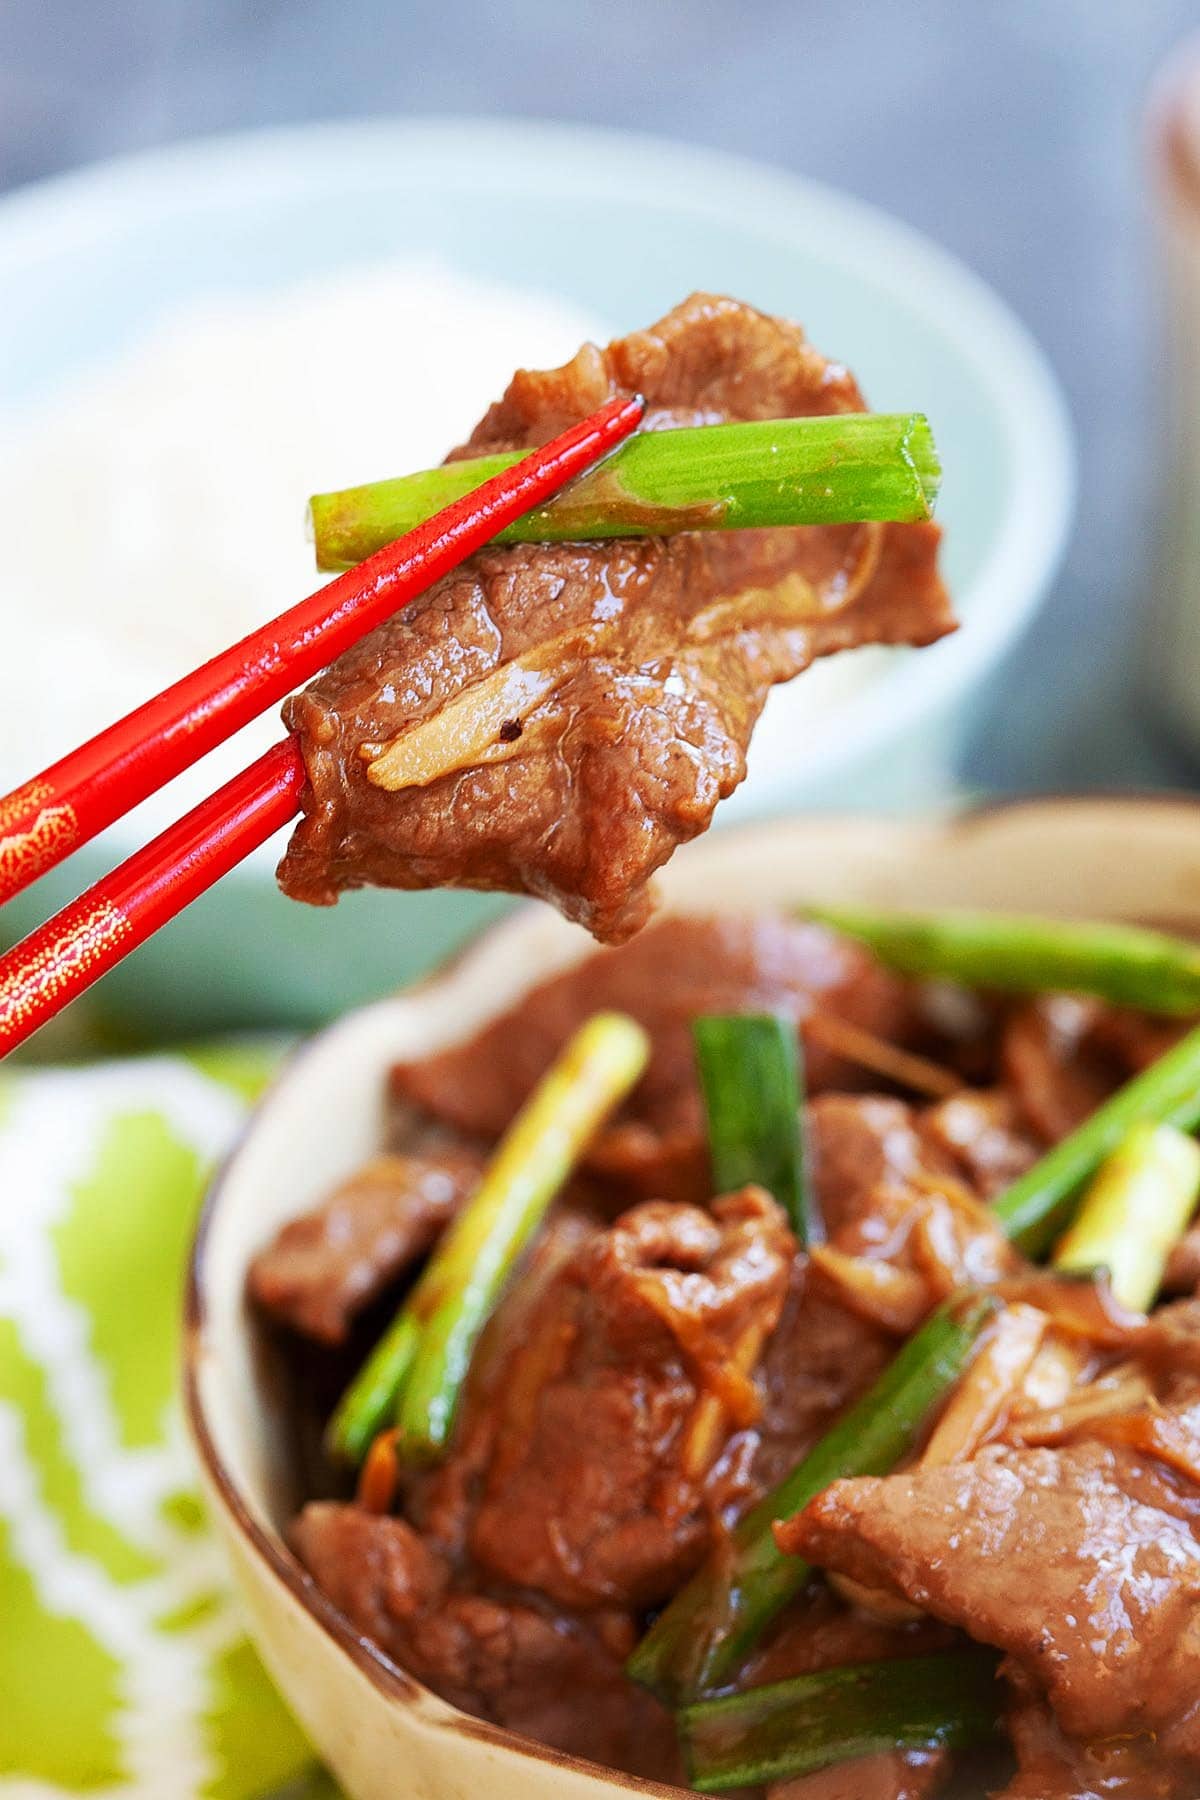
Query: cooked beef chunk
x=887, y=1191
x=555, y=1679
x=441, y=1500
x=636, y=669
x=592, y=1494
x=321, y=1269
x=982, y=1134
x=377, y=1571
x=856, y=1144
x=673, y=971
x=1063, y=1056
x=890, y=1775
x=1055, y=1072
x=883, y=1203
x=820, y=1631
x=820, y=1358
x=1053, y=1767
x=1136, y=1039
x=1082, y=1563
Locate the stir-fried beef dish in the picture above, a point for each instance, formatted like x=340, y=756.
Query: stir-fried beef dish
x=554, y=719
x=817, y=1433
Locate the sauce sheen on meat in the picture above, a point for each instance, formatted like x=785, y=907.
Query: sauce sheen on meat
x=565, y=715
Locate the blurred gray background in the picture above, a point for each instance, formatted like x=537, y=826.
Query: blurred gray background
x=1009, y=129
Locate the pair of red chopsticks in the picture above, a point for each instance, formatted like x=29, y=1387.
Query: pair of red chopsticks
x=64, y=807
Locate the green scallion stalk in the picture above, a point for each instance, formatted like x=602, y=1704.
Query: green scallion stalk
x=427, y=1347
x=1135, y=1211
x=1120, y=963
x=701, y=1639
x=817, y=471
x=367, y=1406
x=790, y=1728
x=1039, y=1205
x=457, y=1293
x=750, y=1078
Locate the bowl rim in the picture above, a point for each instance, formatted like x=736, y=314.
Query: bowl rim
x=388, y=1677
x=72, y=209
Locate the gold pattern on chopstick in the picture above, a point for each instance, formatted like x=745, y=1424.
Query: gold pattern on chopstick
x=55, y=964
x=25, y=850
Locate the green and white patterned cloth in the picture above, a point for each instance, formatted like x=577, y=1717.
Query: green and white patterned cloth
x=124, y=1673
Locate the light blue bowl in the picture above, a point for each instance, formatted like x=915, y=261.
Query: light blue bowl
x=624, y=226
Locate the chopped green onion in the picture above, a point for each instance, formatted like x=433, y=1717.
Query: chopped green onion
x=812, y=471
x=750, y=1078
x=369, y=1403
x=434, y=1333
x=458, y=1291
x=701, y=1639
x=793, y=1727
x=1121, y=963
x=1039, y=1204
x=1135, y=1211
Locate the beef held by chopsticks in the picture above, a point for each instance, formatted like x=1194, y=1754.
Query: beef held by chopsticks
x=554, y=719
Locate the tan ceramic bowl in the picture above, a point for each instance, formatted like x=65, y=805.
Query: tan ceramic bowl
x=381, y=1732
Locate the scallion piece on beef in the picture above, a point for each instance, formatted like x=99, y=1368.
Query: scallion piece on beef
x=790, y=1728
x=1037, y=1207
x=1121, y=963
x=369, y=1402
x=701, y=1639
x=455, y=1296
x=750, y=1079
x=1135, y=1211
x=813, y=471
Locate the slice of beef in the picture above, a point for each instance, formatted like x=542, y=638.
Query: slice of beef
x=1082, y=1563
x=830, y=1347
x=818, y=1630
x=1051, y=1766
x=557, y=1679
x=441, y=1500
x=1136, y=1039
x=556, y=718
x=676, y=969
x=591, y=1494
x=890, y=1775
x=885, y=1200
x=376, y=1570
x=982, y=1134
x=554, y=1677
x=1056, y=1076
x=888, y=1188
x=857, y=1143
x=821, y=1358
x=323, y=1268
x=1063, y=1056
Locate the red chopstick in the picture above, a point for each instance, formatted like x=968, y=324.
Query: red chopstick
x=68, y=803
x=87, y=938
x=66, y=955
